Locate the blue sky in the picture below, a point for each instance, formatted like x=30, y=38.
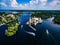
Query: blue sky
x=22, y=1
x=30, y=4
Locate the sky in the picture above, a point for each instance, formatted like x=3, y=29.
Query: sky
x=30, y=4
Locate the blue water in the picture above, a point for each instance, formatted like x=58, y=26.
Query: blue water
x=41, y=38
x=24, y=17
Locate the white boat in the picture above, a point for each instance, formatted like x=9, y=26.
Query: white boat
x=47, y=31
x=31, y=33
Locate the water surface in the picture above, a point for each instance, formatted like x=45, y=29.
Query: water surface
x=41, y=38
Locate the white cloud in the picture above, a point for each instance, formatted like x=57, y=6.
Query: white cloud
x=34, y=2
x=54, y=5
x=54, y=2
x=34, y=5
x=43, y=2
x=14, y=3
x=3, y=4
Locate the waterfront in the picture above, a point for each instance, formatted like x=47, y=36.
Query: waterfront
x=41, y=37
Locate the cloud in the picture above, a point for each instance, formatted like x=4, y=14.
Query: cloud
x=43, y=2
x=14, y=3
x=33, y=5
x=41, y=5
x=54, y=2
x=3, y=4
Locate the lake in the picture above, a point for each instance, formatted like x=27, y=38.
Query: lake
x=46, y=33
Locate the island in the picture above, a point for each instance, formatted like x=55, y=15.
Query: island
x=11, y=20
x=48, y=14
x=12, y=29
x=34, y=21
x=57, y=20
